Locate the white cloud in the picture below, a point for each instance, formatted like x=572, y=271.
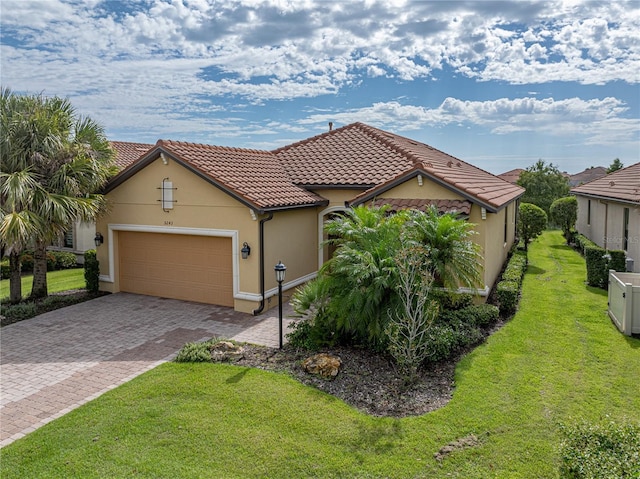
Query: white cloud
x=593, y=121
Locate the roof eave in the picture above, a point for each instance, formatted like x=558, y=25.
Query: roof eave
x=154, y=154
x=607, y=198
x=421, y=171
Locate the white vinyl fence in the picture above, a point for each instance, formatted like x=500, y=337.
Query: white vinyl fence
x=624, y=301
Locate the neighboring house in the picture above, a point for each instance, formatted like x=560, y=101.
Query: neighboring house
x=609, y=211
x=511, y=176
x=183, y=215
x=587, y=175
x=80, y=237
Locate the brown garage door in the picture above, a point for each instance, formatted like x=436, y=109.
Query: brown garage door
x=193, y=268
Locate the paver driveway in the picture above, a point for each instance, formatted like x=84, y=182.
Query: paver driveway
x=59, y=360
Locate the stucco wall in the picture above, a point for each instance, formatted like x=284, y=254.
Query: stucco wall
x=606, y=225
x=490, y=230
x=199, y=206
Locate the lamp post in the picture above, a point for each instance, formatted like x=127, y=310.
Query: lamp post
x=280, y=270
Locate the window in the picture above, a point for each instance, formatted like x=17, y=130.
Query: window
x=68, y=239
x=506, y=223
x=588, y=212
x=625, y=229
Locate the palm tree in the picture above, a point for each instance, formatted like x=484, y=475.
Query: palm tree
x=454, y=258
x=361, y=276
x=53, y=162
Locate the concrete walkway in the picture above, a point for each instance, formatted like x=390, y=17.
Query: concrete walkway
x=60, y=360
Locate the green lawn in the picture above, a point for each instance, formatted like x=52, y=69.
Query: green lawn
x=62, y=280
x=559, y=360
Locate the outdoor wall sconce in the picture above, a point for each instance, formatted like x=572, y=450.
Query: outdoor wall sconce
x=246, y=250
x=99, y=239
x=280, y=270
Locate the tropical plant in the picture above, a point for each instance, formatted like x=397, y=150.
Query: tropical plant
x=53, y=162
x=532, y=222
x=543, y=183
x=564, y=213
x=409, y=324
x=357, y=289
x=362, y=274
x=454, y=259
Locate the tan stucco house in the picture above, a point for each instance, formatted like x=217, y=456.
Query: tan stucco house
x=80, y=236
x=609, y=211
x=182, y=214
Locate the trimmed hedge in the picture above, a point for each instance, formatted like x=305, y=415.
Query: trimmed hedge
x=597, y=273
x=91, y=271
x=599, y=261
x=507, y=293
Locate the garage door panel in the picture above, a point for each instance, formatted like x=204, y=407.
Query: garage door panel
x=193, y=268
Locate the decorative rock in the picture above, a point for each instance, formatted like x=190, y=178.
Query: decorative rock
x=226, y=351
x=324, y=365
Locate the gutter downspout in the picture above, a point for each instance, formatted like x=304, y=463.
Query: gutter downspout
x=262, y=222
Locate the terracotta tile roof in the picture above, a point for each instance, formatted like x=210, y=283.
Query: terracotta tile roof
x=360, y=155
x=511, y=176
x=444, y=206
x=587, y=175
x=622, y=185
x=252, y=175
x=354, y=155
x=127, y=152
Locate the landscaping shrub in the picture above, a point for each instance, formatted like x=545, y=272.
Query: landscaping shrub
x=305, y=336
x=449, y=301
x=91, y=271
x=583, y=242
x=5, y=269
x=618, y=260
x=564, y=213
x=26, y=260
x=64, y=260
x=507, y=294
x=52, y=262
x=195, y=352
x=516, y=267
x=597, y=272
x=480, y=315
x=444, y=340
x=594, y=451
x=20, y=311
x=532, y=222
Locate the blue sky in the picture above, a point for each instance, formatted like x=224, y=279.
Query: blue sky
x=497, y=84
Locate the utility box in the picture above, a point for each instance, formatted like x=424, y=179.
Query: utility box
x=624, y=301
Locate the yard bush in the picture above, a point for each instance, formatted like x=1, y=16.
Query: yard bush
x=507, y=293
x=195, y=352
x=445, y=340
x=594, y=451
x=516, y=267
x=5, y=269
x=481, y=315
x=91, y=271
x=618, y=260
x=449, y=301
x=564, y=213
x=582, y=242
x=20, y=311
x=26, y=260
x=597, y=273
x=52, y=263
x=64, y=260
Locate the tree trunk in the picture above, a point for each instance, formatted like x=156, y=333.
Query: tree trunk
x=39, y=288
x=15, y=281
